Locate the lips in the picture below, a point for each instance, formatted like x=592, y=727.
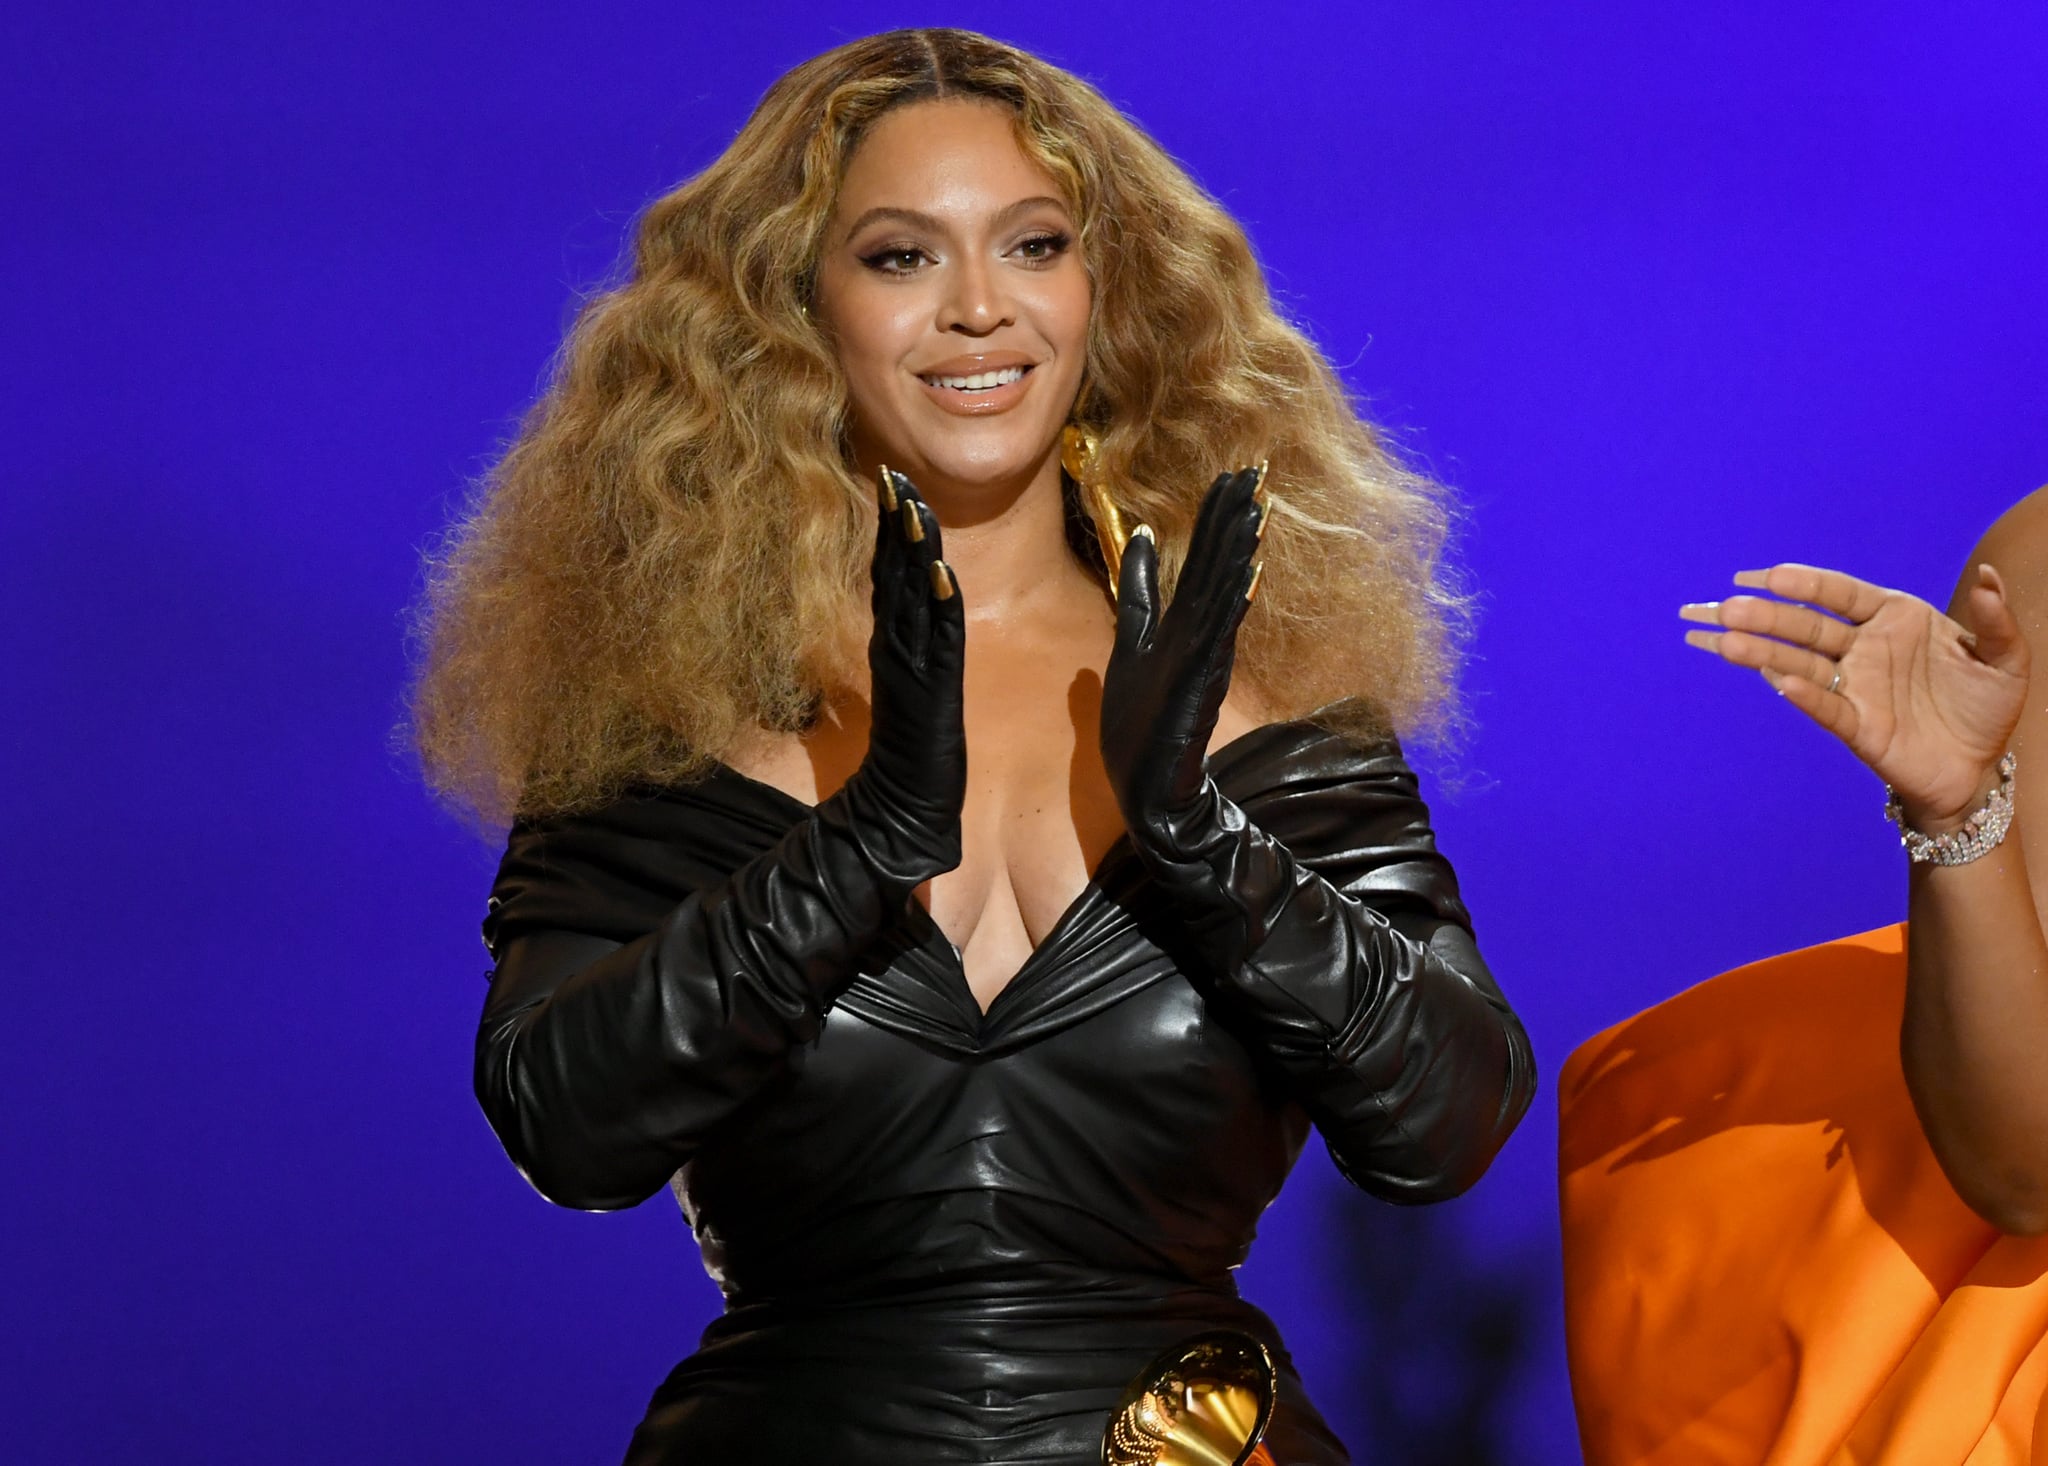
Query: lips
x=976, y=382
x=980, y=384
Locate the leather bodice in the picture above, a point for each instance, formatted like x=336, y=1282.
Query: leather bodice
x=945, y=1236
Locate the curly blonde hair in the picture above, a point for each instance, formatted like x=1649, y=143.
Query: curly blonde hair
x=673, y=553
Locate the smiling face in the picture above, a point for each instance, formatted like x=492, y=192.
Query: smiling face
x=953, y=288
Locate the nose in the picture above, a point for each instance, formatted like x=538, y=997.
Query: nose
x=975, y=302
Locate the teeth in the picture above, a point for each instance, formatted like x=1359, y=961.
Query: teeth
x=981, y=381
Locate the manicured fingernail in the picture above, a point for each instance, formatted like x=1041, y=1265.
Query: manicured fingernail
x=913, y=523
x=1707, y=611
x=1754, y=579
x=1777, y=682
x=1252, y=590
x=1146, y=531
x=942, y=580
x=1706, y=641
x=888, y=489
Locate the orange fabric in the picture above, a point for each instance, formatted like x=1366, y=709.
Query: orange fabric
x=1763, y=1262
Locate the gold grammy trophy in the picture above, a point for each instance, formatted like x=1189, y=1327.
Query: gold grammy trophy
x=1205, y=1402
x=1078, y=456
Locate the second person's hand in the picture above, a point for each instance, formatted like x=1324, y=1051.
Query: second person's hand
x=1929, y=704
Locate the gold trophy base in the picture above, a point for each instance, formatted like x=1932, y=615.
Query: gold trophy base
x=1205, y=1402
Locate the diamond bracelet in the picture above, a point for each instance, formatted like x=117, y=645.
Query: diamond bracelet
x=1981, y=834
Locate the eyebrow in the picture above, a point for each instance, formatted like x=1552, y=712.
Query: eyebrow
x=920, y=220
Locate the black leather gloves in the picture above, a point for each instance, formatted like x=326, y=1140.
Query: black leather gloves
x=900, y=811
x=1165, y=684
x=1168, y=673
x=1385, y=1021
x=602, y=1065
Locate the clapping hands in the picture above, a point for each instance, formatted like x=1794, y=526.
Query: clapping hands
x=914, y=778
x=1170, y=668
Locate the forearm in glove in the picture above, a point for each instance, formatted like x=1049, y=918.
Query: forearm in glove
x=1394, y=1037
x=601, y=1066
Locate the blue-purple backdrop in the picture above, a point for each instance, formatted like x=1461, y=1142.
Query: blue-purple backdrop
x=1666, y=291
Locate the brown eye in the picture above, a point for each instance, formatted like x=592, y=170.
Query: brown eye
x=1043, y=246
x=898, y=260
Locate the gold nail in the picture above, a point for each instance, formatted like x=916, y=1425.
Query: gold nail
x=1707, y=611
x=1706, y=641
x=888, y=490
x=913, y=524
x=1253, y=589
x=942, y=580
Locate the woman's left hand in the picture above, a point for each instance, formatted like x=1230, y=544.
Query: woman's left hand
x=1927, y=703
x=1169, y=671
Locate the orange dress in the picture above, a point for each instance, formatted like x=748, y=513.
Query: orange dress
x=1763, y=1262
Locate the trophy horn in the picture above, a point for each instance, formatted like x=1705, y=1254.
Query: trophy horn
x=1205, y=1402
x=1080, y=456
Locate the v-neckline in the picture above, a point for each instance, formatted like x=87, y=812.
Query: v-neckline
x=935, y=943
x=931, y=939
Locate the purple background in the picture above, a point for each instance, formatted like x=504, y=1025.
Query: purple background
x=1666, y=291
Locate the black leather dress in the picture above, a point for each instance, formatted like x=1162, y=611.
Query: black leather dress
x=945, y=1236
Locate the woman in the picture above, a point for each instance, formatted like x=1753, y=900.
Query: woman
x=1802, y=1201
x=976, y=995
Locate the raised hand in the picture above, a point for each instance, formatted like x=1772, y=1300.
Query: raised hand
x=1384, y=1022
x=603, y=1066
x=1168, y=673
x=1927, y=703
x=915, y=771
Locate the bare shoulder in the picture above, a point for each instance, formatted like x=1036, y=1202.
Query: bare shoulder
x=807, y=766
x=776, y=759
x=1242, y=711
x=2016, y=546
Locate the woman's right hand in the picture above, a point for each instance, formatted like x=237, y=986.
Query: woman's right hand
x=604, y=1066
x=915, y=772
x=1929, y=704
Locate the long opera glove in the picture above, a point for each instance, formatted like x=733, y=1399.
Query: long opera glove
x=601, y=1066
x=1367, y=992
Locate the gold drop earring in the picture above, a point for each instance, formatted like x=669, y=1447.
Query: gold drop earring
x=1080, y=456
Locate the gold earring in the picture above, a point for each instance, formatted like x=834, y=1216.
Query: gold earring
x=1080, y=456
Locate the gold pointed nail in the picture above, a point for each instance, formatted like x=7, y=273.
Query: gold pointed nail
x=888, y=490
x=1252, y=590
x=913, y=523
x=942, y=580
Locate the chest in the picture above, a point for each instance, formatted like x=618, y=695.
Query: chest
x=1039, y=814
